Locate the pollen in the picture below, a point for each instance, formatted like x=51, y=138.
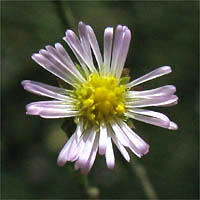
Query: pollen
x=100, y=98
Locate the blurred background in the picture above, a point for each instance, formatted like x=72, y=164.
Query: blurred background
x=163, y=33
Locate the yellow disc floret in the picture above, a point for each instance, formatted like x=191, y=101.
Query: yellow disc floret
x=100, y=98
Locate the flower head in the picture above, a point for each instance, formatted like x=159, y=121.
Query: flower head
x=98, y=99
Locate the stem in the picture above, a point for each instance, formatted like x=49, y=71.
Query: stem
x=87, y=191
x=142, y=175
x=65, y=15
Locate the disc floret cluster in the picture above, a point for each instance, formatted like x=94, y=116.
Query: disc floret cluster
x=100, y=98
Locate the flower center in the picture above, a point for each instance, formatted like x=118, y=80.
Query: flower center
x=100, y=98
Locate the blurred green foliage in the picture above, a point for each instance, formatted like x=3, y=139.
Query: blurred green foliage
x=163, y=33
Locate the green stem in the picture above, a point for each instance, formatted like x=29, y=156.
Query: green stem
x=142, y=175
x=65, y=14
x=87, y=191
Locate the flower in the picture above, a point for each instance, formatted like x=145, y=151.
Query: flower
x=98, y=99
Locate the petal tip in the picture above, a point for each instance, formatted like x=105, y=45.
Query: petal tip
x=145, y=150
x=34, y=56
x=102, y=151
x=24, y=82
x=173, y=126
x=167, y=68
x=60, y=162
x=58, y=45
x=111, y=166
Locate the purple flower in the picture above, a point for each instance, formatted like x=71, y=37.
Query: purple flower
x=99, y=100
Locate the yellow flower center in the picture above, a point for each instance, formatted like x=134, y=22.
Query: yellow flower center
x=100, y=98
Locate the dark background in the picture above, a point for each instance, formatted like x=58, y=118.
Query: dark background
x=163, y=33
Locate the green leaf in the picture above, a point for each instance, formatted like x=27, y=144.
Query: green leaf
x=125, y=80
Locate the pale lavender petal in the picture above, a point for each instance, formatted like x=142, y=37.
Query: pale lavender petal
x=154, y=74
x=170, y=104
x=119, y=133
x=47, y=90
x=85, y=153
x=52, y=104
x=166, y=90
x=69, y=151
x=102, y=139
x=116, y=47
x=173, y=126
x=136, y=144
x=64, y=55
x=80, y=128
x=63, y=155
x=65, y=61
x=159, y=101
x=95, y=46
x=51, y=65
x=123, y=53
x=81, y=61
x=51, y=109
x=110, y=158
x=78, y=146
x=149, y=117
x=92, y=157
x=108, y=38
x=75, y=44
x=120, y=147
x=68, y=60
x=84, y=39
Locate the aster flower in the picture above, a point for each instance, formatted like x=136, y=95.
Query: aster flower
x=98, y=99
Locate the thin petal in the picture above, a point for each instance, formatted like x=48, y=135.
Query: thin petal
x=63, y=155
x=52, y=104
x=84, y=39
x=69, y=151
x=68, y=60
x=79, y=145
x=123, y=52
x=149, y=117
x=159, y=101
x=102, y=139
x=95, y=46
x=154, y=74
x=64, y=61
x=119, y=133
x=173, y=126
x=47, y=90
x=51, y=65
x=75, y=44
x=120, y=147
x=92, y=157
x=79, y=58
x=170, y=104
x=64, y=55
x=166, y=90
x=110, y=158
x=136, y=144
x=51, y=109
x=80, y=128
x=116, y=47
x=85, y=153
x=108, y=38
